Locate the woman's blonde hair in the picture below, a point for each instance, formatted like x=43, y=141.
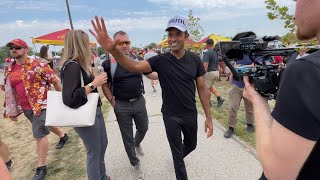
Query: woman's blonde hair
x=76, y=47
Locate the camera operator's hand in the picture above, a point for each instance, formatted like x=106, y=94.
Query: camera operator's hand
x=250, y=93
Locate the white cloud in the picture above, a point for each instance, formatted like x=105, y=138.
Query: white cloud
x=34, y=28
x=146, y=23
x=4, y=3
x=222, y=15
x=19, y=23
x=209, y=4
x=41, y=5
x=38, y=5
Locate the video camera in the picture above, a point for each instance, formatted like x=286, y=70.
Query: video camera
x=264, y=75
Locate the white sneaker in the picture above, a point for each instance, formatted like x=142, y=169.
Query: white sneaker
x=138, y=172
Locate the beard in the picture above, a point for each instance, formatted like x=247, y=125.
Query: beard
x=16, y=55
x=303, y=36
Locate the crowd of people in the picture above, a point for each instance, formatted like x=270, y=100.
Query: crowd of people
x=287, y=139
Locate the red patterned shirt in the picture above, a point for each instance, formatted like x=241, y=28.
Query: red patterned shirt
x=37, y=78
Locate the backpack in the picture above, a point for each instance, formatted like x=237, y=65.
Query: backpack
x=113, y=68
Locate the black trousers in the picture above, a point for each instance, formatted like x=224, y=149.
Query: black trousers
x=127, y=112
x=188, y=126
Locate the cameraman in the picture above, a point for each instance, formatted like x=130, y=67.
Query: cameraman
x=235, y=95
x=287, y=140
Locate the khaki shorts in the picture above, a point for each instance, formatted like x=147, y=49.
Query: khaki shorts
x=211, y=77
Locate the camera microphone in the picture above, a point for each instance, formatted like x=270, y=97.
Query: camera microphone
x=270, y=38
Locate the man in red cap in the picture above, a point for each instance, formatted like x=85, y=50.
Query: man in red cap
x=26, y=83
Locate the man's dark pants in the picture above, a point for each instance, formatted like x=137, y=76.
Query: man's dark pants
x=126, y=111
x=174, y=125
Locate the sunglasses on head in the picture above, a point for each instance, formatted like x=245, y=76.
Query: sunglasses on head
x=121, y=43
x=15, y=47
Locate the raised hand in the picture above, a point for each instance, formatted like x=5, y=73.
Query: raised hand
x=100, y=33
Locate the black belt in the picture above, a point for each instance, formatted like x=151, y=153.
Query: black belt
x=130, y=100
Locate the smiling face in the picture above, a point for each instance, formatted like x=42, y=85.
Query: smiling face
x=176, y=39
x=307, y=19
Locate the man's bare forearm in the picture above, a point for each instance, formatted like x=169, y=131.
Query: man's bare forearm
x=263, y=121
x=107, y=92
x=124, y=60
x=152, y=76
x=204, y=99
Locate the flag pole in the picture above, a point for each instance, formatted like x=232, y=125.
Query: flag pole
x=70, y=19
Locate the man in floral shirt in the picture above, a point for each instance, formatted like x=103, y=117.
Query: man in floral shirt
x=26, y=85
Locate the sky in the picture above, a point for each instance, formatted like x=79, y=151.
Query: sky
x=144, y=20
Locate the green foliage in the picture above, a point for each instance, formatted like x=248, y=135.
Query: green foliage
x=195, y=30
x=289, y=38
x=101, y=51
x=4, y=53
x=277, y=12
x=151, y=45
x=164, y=37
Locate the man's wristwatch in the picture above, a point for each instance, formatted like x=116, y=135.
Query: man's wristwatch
x=91, y=86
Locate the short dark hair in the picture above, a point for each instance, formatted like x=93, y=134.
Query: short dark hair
x=119, y=33
x=243, y=35
x=210, y=41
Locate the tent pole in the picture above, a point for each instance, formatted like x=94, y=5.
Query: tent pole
x=70, y=19
x=34, y=49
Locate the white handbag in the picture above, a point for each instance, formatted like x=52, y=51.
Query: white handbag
x=58, y=114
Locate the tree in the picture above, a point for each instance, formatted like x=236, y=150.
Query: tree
x=101, y=51
x=4, y=53
x=151, y=45
x=195, y=30
x=277, y=12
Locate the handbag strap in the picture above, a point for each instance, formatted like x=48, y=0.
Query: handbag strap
x=81, y=77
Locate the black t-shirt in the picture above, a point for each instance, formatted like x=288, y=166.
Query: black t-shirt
x=211, y=57
x=177, y=79
x=127, y=85
x=297, y=107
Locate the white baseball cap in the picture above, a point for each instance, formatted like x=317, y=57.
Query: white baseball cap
x=179, y=22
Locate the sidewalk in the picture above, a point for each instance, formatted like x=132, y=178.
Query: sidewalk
x=216, y=158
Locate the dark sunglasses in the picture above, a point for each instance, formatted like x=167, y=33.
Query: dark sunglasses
x=15, y=47
x=120, y=43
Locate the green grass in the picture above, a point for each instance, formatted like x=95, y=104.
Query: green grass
x=69, y=162
x=221, y=114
